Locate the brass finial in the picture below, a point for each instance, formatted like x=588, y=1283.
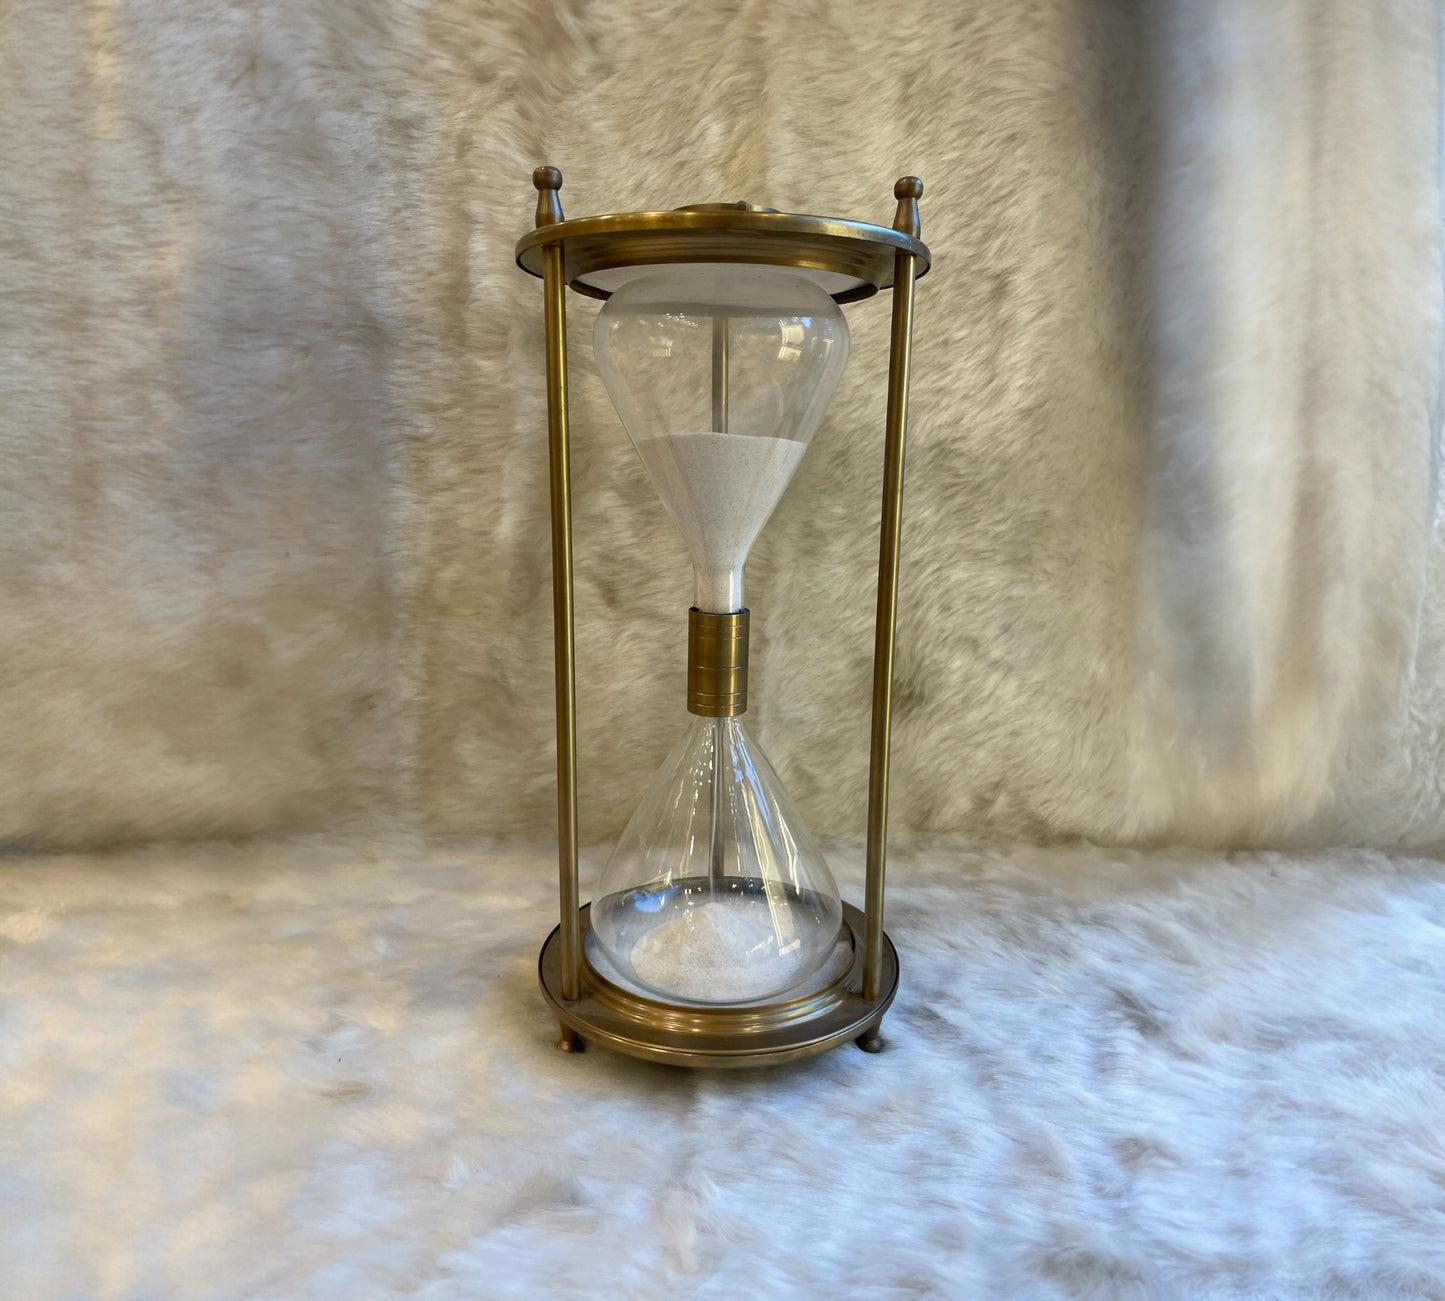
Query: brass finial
x=548, y=181
x=908, y=191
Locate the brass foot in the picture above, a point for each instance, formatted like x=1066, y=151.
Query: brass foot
x=571, y=1041
x=870, y=1041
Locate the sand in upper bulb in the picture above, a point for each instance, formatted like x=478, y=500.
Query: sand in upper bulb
x=720, y=489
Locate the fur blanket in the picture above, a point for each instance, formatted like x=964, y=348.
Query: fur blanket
x=272, y=474
x=308, y=1072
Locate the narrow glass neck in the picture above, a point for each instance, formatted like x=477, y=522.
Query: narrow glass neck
x=718, y=591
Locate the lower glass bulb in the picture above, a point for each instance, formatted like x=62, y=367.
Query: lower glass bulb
x=716, y=892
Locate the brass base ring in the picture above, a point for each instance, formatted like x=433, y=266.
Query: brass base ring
x=688, y=1034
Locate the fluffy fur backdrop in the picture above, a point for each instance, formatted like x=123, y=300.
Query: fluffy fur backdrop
x=274, y=540
x=305, y=1072
x=272, y=498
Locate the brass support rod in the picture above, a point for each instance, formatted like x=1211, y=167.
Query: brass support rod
x=554, y=285
x=889, y=538
x=720, y=374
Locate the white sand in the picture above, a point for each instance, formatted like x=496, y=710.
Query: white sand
x=720, y=490
x=720, y=950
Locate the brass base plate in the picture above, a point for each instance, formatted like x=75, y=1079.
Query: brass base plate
x=687, y=1034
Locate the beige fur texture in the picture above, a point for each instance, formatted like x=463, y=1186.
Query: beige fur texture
x=299, y=1072
x=273, y=494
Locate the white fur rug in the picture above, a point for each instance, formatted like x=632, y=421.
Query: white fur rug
x=307, y=1071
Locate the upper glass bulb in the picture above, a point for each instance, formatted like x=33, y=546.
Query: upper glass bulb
x=721, y=373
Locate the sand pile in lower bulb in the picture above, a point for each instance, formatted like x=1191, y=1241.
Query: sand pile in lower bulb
x=720, y=950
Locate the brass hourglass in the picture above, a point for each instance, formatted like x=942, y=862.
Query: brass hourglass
x=716, y=935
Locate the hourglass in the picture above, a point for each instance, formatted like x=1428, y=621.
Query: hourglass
x=716, y=934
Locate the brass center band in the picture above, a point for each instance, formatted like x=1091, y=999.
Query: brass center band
x=717, y=663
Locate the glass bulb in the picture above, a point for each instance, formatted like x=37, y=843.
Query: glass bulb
x=721, y=374
x=716, y=892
